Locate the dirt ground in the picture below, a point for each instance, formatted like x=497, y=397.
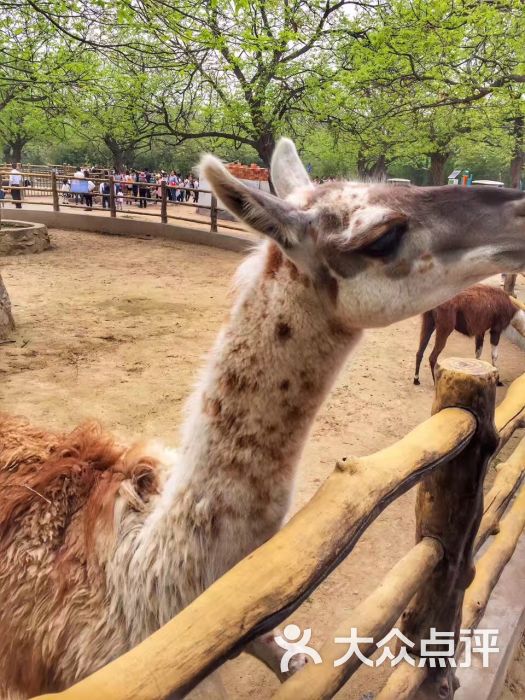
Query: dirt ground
x=116, y=329
x=515, y=682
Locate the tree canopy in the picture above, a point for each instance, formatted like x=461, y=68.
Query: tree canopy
x=366, y=87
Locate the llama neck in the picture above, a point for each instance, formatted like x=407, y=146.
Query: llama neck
x=229, y=486
x=267, y=376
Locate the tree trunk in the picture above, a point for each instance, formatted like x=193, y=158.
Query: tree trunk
x=438, y=160
x=516, y=167
x=518, y=152
x=371, y=170
x=17, y=146
x=264, y=146
x=120, y=155
x=117, y=159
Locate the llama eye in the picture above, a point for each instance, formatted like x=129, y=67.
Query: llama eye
x=387, y=244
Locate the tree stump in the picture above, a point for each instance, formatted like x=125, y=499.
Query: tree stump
x=23, y=237
x=449, y=508
x=7, y=322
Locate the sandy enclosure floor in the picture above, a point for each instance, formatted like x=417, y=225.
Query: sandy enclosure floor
x=116, y=329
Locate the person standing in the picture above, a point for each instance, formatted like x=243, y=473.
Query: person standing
x=135, y=187
x=77, y=185
x=172, y=181
x=104, y=190
x=196, y=190
x=65, y=189
x=180, y=193
x=144, y=193
x=15, y=183
x=187, y=185
x=128, y=192
x=88, y=197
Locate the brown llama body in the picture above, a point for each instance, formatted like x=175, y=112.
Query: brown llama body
x=473, y=312
x=101, y=543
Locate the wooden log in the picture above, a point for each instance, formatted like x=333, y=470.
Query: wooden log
x=490, y=565
x=163, y=203
x=449, y=507
x=510, y=414
x=213, y=214
x=112, y=198
x=265, y=587
x=373, y=618
x=507, y=481
x=404, y=683
x=518, y=303
x=54, y=188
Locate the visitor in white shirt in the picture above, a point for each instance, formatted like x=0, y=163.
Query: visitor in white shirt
x=15, y=181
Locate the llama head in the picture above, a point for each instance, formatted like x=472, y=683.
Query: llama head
x=389, y=252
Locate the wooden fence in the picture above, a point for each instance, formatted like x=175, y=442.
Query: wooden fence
x=157, y=199
x=435, y=585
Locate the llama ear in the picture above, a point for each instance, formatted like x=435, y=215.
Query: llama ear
x=261, y=211
x=287, y=170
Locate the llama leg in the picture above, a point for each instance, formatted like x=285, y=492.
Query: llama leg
x=442, y=333
x=494, y=342
x=427, y=328
x=479, y=345
x=266, y=649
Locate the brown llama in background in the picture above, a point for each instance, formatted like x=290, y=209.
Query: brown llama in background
x=472, y=312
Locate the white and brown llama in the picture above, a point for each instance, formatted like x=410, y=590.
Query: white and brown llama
x=472, y=312
x=102, y=543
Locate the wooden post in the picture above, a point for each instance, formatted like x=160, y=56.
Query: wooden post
x=509, y=283
x=449, y=507
x=213, y=214
x=163, y=202
x=112, y=202
x=56, y=205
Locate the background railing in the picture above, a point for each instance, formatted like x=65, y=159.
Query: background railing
x=435, y=585
x=150, y=199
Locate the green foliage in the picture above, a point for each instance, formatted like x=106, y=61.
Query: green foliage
x=403, y=88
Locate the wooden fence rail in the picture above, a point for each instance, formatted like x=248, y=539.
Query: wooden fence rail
x=164, y=213
x=448, y=453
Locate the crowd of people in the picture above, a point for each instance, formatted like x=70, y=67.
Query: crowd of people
x=91, y=186
x=131, y=187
